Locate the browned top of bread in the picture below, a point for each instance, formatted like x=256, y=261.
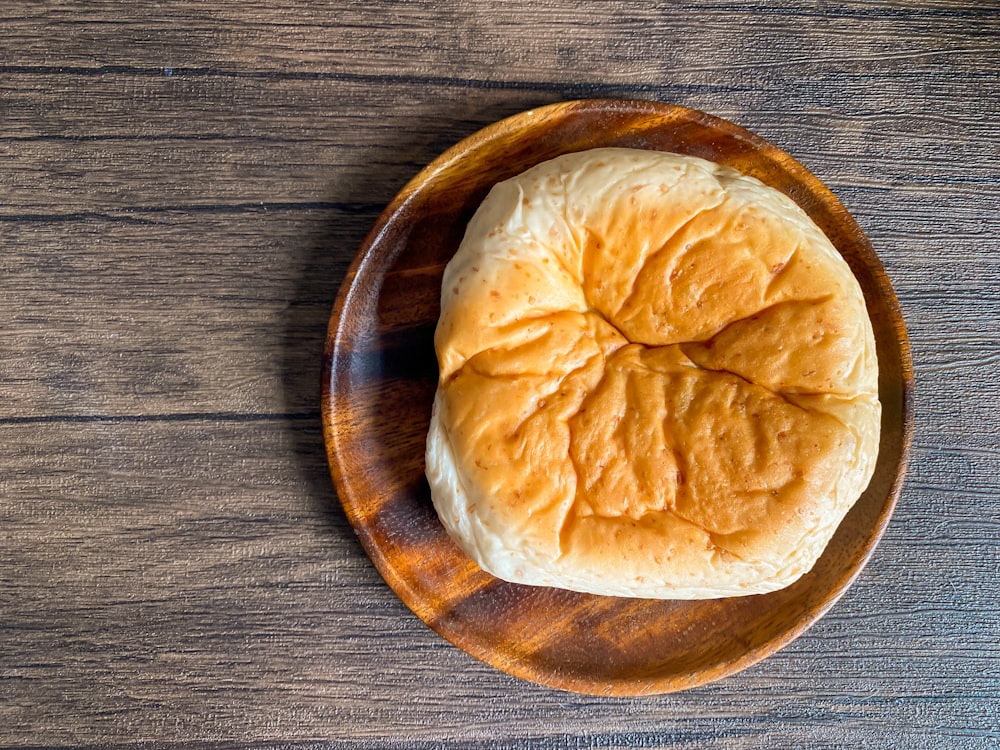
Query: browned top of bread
x=658, y=378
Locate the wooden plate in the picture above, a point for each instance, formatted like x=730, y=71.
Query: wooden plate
x=380, y=377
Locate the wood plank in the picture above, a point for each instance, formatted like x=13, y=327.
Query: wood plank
x=52, y=107
x=98, y=160
x=184, y=576
x=633, y=42
x=218, y=312
x=177, y=313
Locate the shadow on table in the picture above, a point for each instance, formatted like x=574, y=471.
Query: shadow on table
x=333, y=241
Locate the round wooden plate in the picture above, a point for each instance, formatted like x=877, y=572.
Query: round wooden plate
x=380, y=377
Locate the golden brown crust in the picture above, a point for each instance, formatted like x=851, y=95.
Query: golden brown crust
x=657, y=379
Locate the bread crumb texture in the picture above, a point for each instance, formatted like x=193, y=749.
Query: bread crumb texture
x=657, y=379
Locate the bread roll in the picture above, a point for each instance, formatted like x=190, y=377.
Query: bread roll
x=657, y=379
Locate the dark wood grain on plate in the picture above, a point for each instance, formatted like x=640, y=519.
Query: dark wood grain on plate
x=380, y=382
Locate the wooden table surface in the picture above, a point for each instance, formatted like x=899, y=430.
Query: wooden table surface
x=182, y=187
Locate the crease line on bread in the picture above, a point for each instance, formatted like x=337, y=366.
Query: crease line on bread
x=665, y=245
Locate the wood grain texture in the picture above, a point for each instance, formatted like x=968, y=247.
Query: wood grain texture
x=182, y=187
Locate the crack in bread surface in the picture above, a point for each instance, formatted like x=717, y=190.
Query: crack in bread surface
x=684, y=399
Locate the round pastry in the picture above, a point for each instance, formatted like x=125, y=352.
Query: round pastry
x=657, y=379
